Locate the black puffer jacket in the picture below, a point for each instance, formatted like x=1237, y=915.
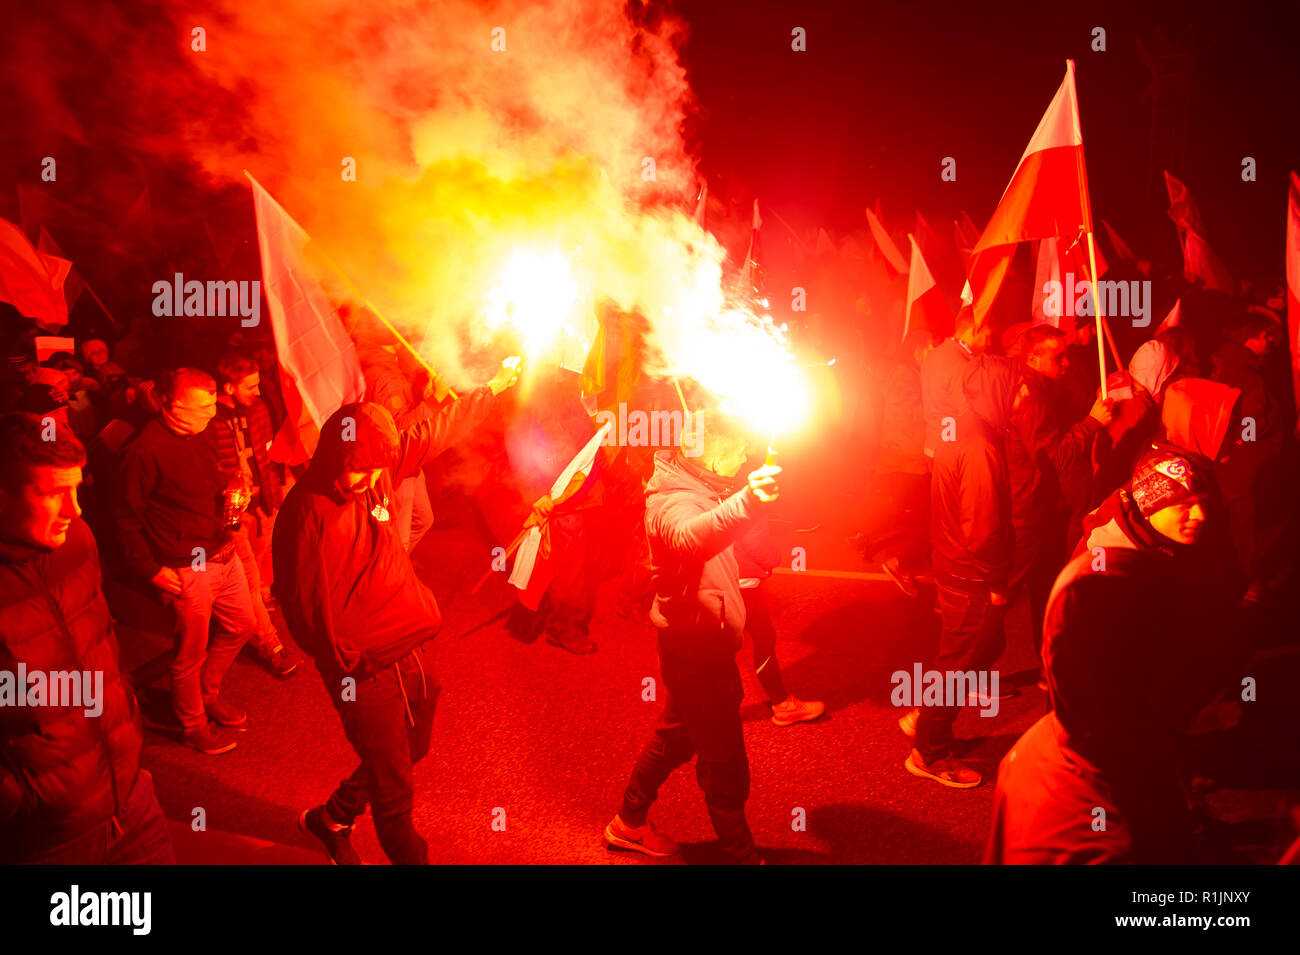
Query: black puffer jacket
x=61, y=772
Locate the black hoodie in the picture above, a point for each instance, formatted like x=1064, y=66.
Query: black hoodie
x=344, y=581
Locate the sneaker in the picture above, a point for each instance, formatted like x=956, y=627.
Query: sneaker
x=278, y=661
x=1005, y=692
x=907, y=723
x=207, y=742
x=646, y=839
x=337, y=842
x=905, y=581
x=223, y=714
x=793, y=710
x=946, y=772
x=574, y=642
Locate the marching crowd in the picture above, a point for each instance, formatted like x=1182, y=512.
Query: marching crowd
x=1144, y=530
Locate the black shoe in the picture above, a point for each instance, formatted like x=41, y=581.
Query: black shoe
x=337, y=842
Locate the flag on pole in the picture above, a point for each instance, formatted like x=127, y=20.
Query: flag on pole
x=751, y=276
x=1293, y=282
x=532, y=572
x=926, y=307
x=700, y=202
x=1119, y=245
x=1200, y=264
x=1045, y=197
x=74, y=284
x=885, y=244
x=319, y=370
x=1173, y=319
x=32, y=281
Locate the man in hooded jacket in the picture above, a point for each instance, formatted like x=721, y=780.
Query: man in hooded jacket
x=695, y=512
x=354, y=603
x=1137, y=639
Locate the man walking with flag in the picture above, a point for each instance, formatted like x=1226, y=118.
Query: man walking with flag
x=354, y=603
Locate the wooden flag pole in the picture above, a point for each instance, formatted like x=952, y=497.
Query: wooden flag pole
x=1096, y=307
x=1092, y=248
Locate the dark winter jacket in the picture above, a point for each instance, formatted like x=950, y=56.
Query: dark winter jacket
x=236, y=425
x=1048, y=457
x=62, y=772
x=345, y=583
x=970, y=509
x=692, y=519
x=170, y=499
x=941, y=388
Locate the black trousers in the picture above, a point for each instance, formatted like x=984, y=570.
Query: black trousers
x=972, y=639
x=701, y=718
x=762, y=633
x=389, y=725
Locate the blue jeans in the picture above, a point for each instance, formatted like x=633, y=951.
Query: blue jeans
x=220, y=590
x=136, y=836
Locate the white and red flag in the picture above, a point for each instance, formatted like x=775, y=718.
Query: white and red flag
x=1200, y=264
x=32, y=281
x=1293, y=281
x=532, y=572
x=319, y=370
x=1047, y=197
x=926, y=306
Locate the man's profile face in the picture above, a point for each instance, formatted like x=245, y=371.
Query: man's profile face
x=1181, y=523
x=246, y=390
x=191, y=410
x=1049, y=359
x=40, y=512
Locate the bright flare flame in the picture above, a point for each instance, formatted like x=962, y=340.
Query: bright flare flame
x=744, y=360
x=537, y=296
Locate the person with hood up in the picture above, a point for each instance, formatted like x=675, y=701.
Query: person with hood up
x=1136, y=641
x=695, y=512
x=970, y=530
x=353, y=602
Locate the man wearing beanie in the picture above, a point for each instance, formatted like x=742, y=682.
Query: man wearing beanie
x=354, y=603
x=1137, y=639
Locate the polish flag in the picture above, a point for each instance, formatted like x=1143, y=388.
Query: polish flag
x=319, y=371
x=32, y=281
x=1293, y=282
x=1200, y=264
x=885, y=244
x=1046, y=198
x=926, y=307
x=532, y=573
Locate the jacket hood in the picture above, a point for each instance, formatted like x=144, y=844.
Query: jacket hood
x=675, y=472
x=1197, y=413
x=990, y=382
x=358, y=437
x=1152, y=365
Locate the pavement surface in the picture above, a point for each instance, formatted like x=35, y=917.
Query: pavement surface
x=544, y=739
